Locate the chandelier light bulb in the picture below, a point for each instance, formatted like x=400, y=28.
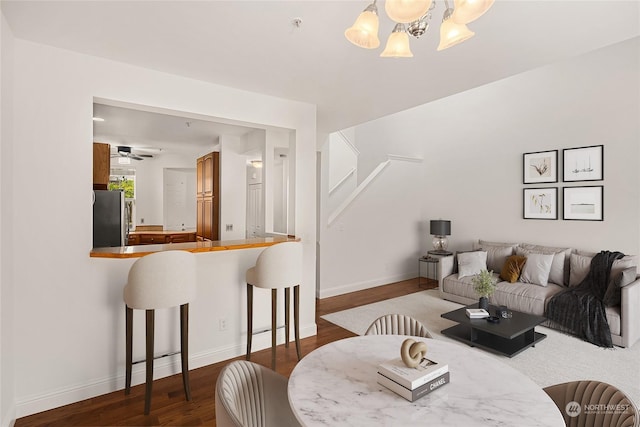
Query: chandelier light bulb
x=405, y=11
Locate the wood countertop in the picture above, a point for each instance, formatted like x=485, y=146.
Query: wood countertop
x=208, y=246
x=163, y=232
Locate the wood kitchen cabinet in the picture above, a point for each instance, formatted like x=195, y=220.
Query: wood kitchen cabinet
x=101, y=165
x=208, y=196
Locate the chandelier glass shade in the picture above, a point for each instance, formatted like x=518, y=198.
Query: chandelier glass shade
x=466, y=11
x=416, y=14
x=364, y=32
x=398, y=44
x=451, y=33
x=405, y=11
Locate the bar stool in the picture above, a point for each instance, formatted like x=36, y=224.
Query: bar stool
x=277, y=267
x=159, y=280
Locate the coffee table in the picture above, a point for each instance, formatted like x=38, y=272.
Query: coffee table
x=509, y=337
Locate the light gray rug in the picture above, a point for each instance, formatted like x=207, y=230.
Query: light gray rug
x=556, y=359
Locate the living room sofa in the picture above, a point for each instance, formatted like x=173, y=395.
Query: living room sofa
x=531, y=293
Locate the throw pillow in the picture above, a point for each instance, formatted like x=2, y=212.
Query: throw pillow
x=555, y=269
x=579, y=268
x=613, y=295
x=512, y=268
x=556, y=274
x=497, y=256
x=536, y=269
x=470, y=263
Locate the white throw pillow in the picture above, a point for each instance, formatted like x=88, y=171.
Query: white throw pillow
x=471, y=263
x=556, y=275
x=536, y=269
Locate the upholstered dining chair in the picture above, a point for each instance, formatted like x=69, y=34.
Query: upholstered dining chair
x=250, y=395
x=398, y=324
x=593, y=404
x=277, y=267
x=159, y=280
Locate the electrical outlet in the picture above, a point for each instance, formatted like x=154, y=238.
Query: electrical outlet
x=229, y=227
x=222, y=324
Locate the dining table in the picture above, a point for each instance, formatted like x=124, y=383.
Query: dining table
x=336, y=385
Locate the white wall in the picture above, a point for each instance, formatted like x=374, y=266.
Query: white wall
x=179, y=198
x=7, y=270
x=233, y=184
x=473, y=144
x=68, y=322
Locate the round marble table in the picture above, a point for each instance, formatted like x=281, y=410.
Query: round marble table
x=336, y=385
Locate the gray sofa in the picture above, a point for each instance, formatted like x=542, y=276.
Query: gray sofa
x=568, y=267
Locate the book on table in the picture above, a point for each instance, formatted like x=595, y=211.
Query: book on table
x=412, y=378
x=418, y=392
x=476, y=313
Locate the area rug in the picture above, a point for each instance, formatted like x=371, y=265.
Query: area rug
x=558, y=358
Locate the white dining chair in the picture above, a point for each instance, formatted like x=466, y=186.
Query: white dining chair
x=159, y=280
x=277, y=267
x=398, y=324
x=248, y=395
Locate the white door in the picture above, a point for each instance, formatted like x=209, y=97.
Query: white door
x=254, y=211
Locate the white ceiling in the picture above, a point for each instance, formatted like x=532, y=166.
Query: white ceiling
x=253, y=45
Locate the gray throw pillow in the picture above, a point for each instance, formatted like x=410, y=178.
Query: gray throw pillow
x=536, y=269
x=470, y=263
x=556, y=274
x=579, y=268
x=497, y=256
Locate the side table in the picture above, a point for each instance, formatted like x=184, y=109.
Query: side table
x=432, y=259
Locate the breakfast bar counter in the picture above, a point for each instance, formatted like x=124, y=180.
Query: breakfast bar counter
x=196, y=247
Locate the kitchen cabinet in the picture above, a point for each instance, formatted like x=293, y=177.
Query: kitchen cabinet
x=208, y=196
x=101, y=165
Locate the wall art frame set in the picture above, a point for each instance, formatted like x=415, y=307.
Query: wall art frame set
x=580, y=164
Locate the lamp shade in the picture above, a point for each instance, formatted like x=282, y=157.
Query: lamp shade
x=397, y=44
x=405, y=11
x=364, y=32
x=440, y=227
x=451, y=34
x=466, y=11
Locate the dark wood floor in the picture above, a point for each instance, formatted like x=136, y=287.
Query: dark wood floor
x=168, y=406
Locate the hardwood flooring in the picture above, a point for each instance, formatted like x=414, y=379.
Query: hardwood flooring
x=168, y=405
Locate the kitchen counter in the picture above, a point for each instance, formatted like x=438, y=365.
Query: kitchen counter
x=207, y=246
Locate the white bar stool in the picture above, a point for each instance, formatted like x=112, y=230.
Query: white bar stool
x=277, y=267
x=159, y=280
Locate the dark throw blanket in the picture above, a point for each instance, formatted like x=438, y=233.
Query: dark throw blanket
x=580, y=310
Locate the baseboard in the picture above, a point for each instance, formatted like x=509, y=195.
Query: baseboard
x=9, y=419
x=162, y=368
x=359, y=286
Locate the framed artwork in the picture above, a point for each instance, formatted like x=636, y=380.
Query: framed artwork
x=583, y=203
x=541, y=166
x=540, y=203
x=583, y=163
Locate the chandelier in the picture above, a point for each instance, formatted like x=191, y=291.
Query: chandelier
x=412, y=18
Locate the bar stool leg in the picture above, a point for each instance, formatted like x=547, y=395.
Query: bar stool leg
x=128, y=348
x=287, y=303
x=249, y=319
x=274, y=312
x=296, y=317
x=184, y=348
x=149, y=381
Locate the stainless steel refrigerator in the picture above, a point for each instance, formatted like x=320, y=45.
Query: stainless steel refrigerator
x=109, y=220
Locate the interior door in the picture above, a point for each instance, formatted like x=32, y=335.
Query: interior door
x=254, y=211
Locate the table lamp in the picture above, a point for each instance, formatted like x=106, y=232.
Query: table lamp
x=440, y=229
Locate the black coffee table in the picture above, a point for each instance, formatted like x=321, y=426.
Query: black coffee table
x=508, y=337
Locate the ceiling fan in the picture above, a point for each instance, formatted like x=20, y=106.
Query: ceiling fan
x=124, y=151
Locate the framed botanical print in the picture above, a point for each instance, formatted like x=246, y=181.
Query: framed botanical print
x=541, y=166
x=583, y=163
x=540, y=203
x=583, y=203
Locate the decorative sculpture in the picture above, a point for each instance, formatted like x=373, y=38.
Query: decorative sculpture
x=412, y=352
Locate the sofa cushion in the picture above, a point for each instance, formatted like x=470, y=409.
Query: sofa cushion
x=517, y=296
x=470, y=263
x=497, y=256
x=512, y=268
x=537, y=268
x=556, y=274
x=580, y=265
x=613, y=318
